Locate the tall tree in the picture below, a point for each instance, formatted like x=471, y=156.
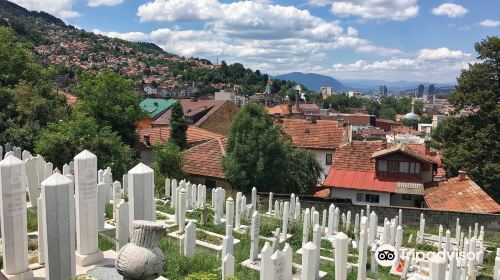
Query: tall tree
x=168, y=164
x=61, y=141
x=257, y=155
x=109, y=99
x=178, y=126
x=469, y=140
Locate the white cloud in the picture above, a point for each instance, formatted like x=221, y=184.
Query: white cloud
x=96, y=3
x=441, y=54
x=58, y=8
x=429, y=64
x=377, y=9
x=179, y=10
x=319, y=3
x=450, y=10
x=490, y=23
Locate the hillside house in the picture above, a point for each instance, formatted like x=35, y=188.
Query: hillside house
x=155, y=107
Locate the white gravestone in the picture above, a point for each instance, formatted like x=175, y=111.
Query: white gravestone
x=32, y=180
x=59, y=229
x=288, y=269
x=13, y=218
x=122, y=225
x=278, y=266
x=87, y=252
x=331, y=218
x=167, y=187
x=254, y=236
x=254, y=199
x=229, y=211
x=41, y=244
x=341, y=245
x=308, y=261
x=285, y=220
x=305, y=227
x=336, y=220
x=270, y=203
x=227, y=266
x=237, y=214
x=190, y=240
x=265, y=262
x=141, y=193
x=117, y=197
x=181, y=205
x=227, y=242
x=102, y=194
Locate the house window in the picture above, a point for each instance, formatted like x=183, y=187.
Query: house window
x=406, y=196
x=404, y=167
x=372, y=198
x=393, y=166
x=382, y=165
x=328, y=159
x=359, y=197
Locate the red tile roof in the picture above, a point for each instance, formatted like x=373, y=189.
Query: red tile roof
x=323, y=134
x=281, y=109
x=406, y=149
x=206, y=159
x=353, y=166
x=194, y=135
x=456, y=195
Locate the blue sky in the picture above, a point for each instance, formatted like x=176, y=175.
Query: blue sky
x=417, y=40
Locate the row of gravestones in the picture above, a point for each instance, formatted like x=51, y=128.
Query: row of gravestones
x=69, y=209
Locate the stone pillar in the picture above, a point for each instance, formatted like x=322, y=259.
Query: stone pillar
x=336, y=220
x=266, y=265
x=372, y=234
x=189, y=196
x=122, y=224
x=400, y=217
x=276, y=208
x=237, y=212
x=341, y=244
x=399, y=238
x=141, y=201
x=254, y=199
x=362, y=254
x=59, y=229
x=32, y=180
x=227, y=266
x=117, y=197
x=331, y=218
x=308, y=261
x=227, y=242
x=254, y=236
x=189, y=240
x=323, y=221
x=317, y=243
x=305, y=227
x=229, y=211
x=286, y=215
x=270, y=203
x=278, y=265
x=102, y=193
x=496, y=270
x=167, y=187
x=421, y=229
x=297, y=211
x=182, y=201
x=348, y=221
x=87, y=251
x=315, y=219
x=387, y=230
x=356, y=228
x=13, y=220
x=291, y=206
x=288, y=269
x=437, y=268
x=41, y=244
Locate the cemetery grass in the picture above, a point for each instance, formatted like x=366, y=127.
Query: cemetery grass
x=108, y=210
x=106, y=243
x=32, y=220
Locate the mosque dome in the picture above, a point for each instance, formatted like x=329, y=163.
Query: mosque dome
x=411, y=116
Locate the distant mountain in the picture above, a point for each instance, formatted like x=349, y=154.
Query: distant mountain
x=313, y=81
x=366, y=85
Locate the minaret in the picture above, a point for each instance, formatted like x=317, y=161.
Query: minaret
x=413, y=105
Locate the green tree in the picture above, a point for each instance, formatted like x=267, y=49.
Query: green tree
x=61, y=141
x=109, y=99
x=387, y=113
x=425, y=119
x=470, y=141
x=168, y=164
x=257, y=153
x=178, y=127
x=413, y=124
x=304, y=171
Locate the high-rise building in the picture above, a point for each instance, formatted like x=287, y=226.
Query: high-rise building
x=420, y=90
x=431, y=90
x=383, y=90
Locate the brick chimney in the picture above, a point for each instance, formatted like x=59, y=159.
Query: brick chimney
x=461, y=175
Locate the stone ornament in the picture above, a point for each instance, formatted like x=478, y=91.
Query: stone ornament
x=142, y=258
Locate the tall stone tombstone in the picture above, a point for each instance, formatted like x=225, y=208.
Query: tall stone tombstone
x=219, y=205
x=167, y=187
x=308, y=261
x=190, y=240
x=270, y=203
x=181, y=207
x=254, y=236
x=331, y=219
x=372, y=233
x=286, y=216
x=125, y=183
x=189, y=196
x=305, y=227
x=362, y=253
x=49, y=167
x=199, y=195
x=122, y=224
x=229, y=211
x=117, y=197
x=278, y=265
x=265, y=262
x=102, y=195
x=228, y=241
x=254, y=199
x=18, y=153
x=1, y=152
x=87, y=251
x=59, y=227
x=341, y=246
x=288, y=269
x=237, y=213
x=437, y=268
x=41, y=244
x=32, y=180
x=66, y=170
x=227, y=266
x=292, y=207
x=26, y=155
x=141, y=193
x=317, y=243
x=40, y=169
x=108, y=180
x=194, y=196
x=13, y=219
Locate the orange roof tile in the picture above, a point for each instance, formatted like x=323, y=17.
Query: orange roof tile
x=162, y=134
x=192, y=107
x=323, y=134
x=206, y=159
x=281, y=109
x=456, y=195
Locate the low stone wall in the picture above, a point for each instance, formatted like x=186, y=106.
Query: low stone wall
x=411, y=215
